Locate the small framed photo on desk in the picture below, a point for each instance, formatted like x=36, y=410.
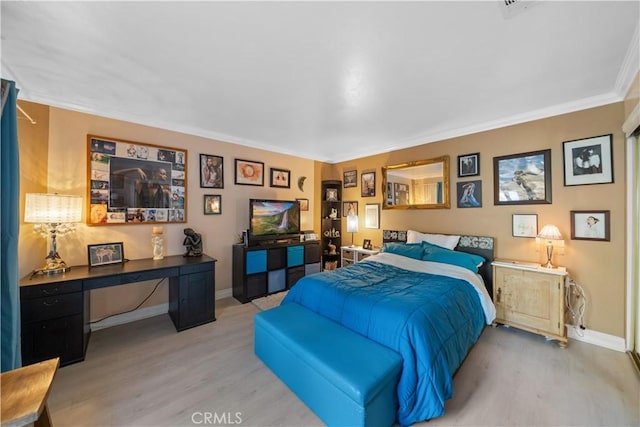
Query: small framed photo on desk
x=105, y=254
x=366, y=244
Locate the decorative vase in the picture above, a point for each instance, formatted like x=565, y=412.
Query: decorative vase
x=157, y=239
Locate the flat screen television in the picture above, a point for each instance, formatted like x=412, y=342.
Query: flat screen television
x=273, y=220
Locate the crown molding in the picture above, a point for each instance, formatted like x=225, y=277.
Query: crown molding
x=630, y=65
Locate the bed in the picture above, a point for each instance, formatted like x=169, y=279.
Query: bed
x=422, y=305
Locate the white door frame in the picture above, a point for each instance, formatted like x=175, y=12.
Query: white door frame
x=632, y=336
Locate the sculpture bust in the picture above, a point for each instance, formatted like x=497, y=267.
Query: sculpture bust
x=193, y=242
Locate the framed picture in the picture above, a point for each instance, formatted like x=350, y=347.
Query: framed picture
x=134, y=182
x=368, y=188
x=350, y=179
x=248, y=172
x=522, y=179
x=469, y=194
x=366, y=244
x=279, y=178
x=332, y=195
x=524, y=225
x=105, y=254
x=590, y=225
x=211, y=171
x=349, y=208
x=588, y=161
x=469, y=165
x=212, y=204
x=304, y=204
x=372, y=215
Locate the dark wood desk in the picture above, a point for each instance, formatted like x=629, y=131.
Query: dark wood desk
x=55, y=309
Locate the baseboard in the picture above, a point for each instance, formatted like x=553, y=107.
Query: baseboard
x=139, y=314
x=597, y=338
x=145, y=313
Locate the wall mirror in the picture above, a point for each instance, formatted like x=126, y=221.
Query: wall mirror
x=422, y=184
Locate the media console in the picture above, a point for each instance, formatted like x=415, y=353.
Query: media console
x=262, y=270
x=55, y=309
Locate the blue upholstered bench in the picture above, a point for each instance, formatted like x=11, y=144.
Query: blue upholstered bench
x=345, y=378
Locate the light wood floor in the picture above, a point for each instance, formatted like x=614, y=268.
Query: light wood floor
x=146, y=374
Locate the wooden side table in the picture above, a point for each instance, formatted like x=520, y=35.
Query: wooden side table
x=24, y=394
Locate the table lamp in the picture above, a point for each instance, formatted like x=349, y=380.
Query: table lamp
x=53, y=215
x=551, y=236
x=352, y=226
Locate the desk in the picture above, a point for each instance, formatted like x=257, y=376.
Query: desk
x=24, y=394
x=55, y=309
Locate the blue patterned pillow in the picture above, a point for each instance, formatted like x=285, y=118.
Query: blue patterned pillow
x=462, y=259
x=410, y=250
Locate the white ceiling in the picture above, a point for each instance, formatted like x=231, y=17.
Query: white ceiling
x=329, y=81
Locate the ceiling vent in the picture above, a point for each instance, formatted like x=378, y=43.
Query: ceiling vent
x=511, y=8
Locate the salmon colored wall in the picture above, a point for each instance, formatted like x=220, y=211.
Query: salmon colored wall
x=67, y=173
x=597, y=266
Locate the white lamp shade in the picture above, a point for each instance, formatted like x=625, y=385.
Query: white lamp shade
x=550, y=232
x=52, y=208
x=352, y=223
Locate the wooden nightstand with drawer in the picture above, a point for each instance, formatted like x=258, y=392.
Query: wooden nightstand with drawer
x=530, y=297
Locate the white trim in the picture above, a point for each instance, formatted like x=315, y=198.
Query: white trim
x=633, y=121
x=597, y=338
x=145, y=313
x=555, y=110
x=224, y=293
x=120, y=319
x=629, y=66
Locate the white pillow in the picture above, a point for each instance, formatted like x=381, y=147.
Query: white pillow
x=444, y=241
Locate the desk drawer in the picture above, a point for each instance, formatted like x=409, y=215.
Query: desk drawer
x=148, y=275
x=38, y=291
x=37, y=309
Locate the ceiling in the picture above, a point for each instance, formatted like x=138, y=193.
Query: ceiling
x=329, y=81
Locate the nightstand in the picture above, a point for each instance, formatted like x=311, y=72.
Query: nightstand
x=530, y=297
x=353, y=255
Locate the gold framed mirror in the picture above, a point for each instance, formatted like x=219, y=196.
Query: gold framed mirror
x=421, y=184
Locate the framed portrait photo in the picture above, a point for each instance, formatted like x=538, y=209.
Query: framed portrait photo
x=279, y=178
x=368, y=188
x=212, y=204
x=349, y=208
x=588, y=161
x=469, y=165
x=366, y=244
x=248, y=172
x=105, y=254
x=522, y=179
x=211, y=171
x=350, y=179
x=524, y=225
x=590, y=225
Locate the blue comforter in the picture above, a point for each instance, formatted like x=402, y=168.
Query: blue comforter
x=431, y=320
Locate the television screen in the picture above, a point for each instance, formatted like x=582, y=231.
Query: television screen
x=274, y=218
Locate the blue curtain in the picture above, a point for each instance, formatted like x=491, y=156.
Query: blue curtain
x=10, y=356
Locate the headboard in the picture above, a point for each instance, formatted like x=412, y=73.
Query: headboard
x=479, y=245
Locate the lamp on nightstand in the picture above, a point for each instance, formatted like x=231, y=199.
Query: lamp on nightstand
x=352, y=226
x=550, y=236
x=52, y=215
